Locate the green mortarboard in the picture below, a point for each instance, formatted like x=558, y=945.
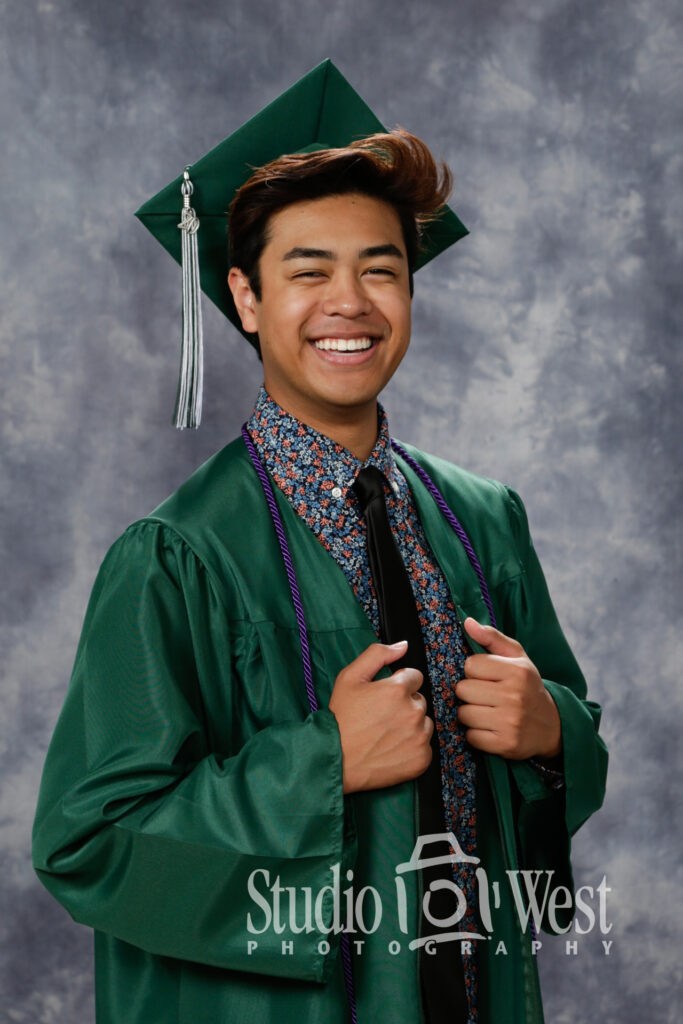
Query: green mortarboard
x=320, y=111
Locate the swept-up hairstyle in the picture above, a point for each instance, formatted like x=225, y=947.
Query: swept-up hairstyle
x=394, y=166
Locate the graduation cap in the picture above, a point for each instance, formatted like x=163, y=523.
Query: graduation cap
x=320, y=111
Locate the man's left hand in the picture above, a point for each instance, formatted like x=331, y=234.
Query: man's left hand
x=507, y=709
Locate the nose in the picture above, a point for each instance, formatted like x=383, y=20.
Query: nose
x=345, y=296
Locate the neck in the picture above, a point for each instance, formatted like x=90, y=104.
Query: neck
x=353, y=428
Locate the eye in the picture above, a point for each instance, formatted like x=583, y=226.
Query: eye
x=381, y=271
x=308, y=273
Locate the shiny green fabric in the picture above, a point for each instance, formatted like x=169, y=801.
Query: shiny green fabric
x=185, y=757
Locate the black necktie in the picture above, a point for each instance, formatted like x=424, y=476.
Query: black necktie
x=441, y=975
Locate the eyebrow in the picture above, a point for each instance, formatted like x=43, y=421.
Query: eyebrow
x=300, y=252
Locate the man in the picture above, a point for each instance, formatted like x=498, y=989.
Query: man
x=238, y=752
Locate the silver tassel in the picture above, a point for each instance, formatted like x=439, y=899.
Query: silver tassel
x=188, y=406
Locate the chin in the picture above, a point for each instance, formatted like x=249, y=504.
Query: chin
x=349, y=397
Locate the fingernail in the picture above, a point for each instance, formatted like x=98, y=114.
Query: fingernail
x=399, y=643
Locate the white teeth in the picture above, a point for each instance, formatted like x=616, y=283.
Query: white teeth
x=343, y=344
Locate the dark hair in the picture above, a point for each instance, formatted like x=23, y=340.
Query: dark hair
x=394, y=166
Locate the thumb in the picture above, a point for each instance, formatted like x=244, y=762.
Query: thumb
x=365, y=667
x=492, y=639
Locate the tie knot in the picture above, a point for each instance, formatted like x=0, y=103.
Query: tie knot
x=369, y=484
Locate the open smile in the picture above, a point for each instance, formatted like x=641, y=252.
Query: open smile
x=344, y=344
x=333, y=344
x=345, y=351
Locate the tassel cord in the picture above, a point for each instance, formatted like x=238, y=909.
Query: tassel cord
x=188, y=409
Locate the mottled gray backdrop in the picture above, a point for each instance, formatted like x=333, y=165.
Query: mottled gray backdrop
x=546, y=353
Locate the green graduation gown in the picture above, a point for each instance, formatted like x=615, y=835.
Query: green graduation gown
x=185, y=759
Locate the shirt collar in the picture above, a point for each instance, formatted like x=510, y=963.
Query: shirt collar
x=302, y=458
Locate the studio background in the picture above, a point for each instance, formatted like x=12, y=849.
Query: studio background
x=546, y=353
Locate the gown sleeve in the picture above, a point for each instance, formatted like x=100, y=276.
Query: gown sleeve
x=147, y=827
x=548, y=817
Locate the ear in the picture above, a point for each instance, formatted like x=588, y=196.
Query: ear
x=244, y=298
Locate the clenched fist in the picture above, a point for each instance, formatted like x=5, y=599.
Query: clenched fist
x=507, y=708
x=384, y=729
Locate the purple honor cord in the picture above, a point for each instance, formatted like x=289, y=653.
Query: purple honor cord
x=301, y=620
x=289, y=567
x=305, y=657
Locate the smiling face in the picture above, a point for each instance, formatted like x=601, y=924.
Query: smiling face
x=334, y=316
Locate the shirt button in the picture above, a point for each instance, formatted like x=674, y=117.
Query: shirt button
x=395, y=486
x=336, y=492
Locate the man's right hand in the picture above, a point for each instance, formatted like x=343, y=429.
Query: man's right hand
x=385, y=732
